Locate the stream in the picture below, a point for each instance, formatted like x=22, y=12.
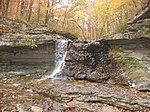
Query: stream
x=45, y=92
x=60, y=54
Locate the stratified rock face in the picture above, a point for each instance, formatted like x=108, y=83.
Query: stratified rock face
x=132, y=57
x=89, y=61
x=24, y=60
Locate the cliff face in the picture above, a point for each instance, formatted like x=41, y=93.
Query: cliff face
x=24, y=60
x=90, y=61
x=132, y=58
x=131, y=53
x=119, y=61
x=136, y=30
x=86, y=60
x=125, y=56
x=122, y=58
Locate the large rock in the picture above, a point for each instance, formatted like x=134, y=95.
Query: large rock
x=24, y=60
x=136, y=30
x=90, y=61
x=133, y=59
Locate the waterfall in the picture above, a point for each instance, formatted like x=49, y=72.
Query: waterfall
x=60, y=54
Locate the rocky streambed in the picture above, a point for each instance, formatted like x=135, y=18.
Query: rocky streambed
x=107, y=90
x=29, y=94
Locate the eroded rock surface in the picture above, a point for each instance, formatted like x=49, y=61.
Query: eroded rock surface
x=68, y=96
x=133, y=59
x=90, y=61
x=25, y=60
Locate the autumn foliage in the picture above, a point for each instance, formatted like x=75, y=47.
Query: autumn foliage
x=88, y=19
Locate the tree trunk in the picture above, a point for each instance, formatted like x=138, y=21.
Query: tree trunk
x=135, y=6
x=21, y=7
x=17, y=9
x=145, y=13
x=0, y=7
x=26, y=9
x=38, y=12
x=4, y=7
x=82, y=30
x=47, y=13
x=65, y=14
x=51, y=10
x=64, y=17
x=30, y=10
x=7, y=6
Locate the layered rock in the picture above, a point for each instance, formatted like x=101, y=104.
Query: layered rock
x=132, y=57
x=90, y=61
x=136, y=30
x=25, y=60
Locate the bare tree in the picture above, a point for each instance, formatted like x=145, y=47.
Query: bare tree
x=47, y=12
x=4, y=7
x=38, y=11
x=30, y=10
x=0, y=6
x=21, y=7
x=135, y=6
x=145, y=13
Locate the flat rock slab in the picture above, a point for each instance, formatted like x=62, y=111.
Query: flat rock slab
x=83, y=91
x=25, y=92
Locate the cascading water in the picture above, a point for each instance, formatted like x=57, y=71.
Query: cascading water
x=60, y=54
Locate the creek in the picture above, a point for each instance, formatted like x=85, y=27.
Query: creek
x=21, y=88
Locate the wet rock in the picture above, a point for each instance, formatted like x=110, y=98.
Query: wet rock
x=70, y=95
x=80, y=76
x=106, y=109
x=90, y=61
x=36, y=109
x=79, y=94
x=143, y=86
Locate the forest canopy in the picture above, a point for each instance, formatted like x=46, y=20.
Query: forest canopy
x=88, y=19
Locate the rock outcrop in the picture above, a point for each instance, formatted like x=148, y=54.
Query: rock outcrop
x=132, y=57
x=110, y=61
x=137, y=30
x=25, y=60
x=27, y=49
x=90, y=61
x=144, y=14
x=13, y=32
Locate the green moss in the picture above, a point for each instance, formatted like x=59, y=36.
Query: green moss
x=30, y=42
x=130, y=65
x=121, y=28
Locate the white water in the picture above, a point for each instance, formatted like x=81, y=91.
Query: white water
x=60, y=54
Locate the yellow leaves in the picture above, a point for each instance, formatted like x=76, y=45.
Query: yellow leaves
x=109, y=6
x=79, y=14
x=45, y=8
x=115, y=4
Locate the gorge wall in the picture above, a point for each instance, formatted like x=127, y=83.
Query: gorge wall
x=115, y=60
x=91, y=61
x=132, y=58
x=25, y=60
x=119, y=61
